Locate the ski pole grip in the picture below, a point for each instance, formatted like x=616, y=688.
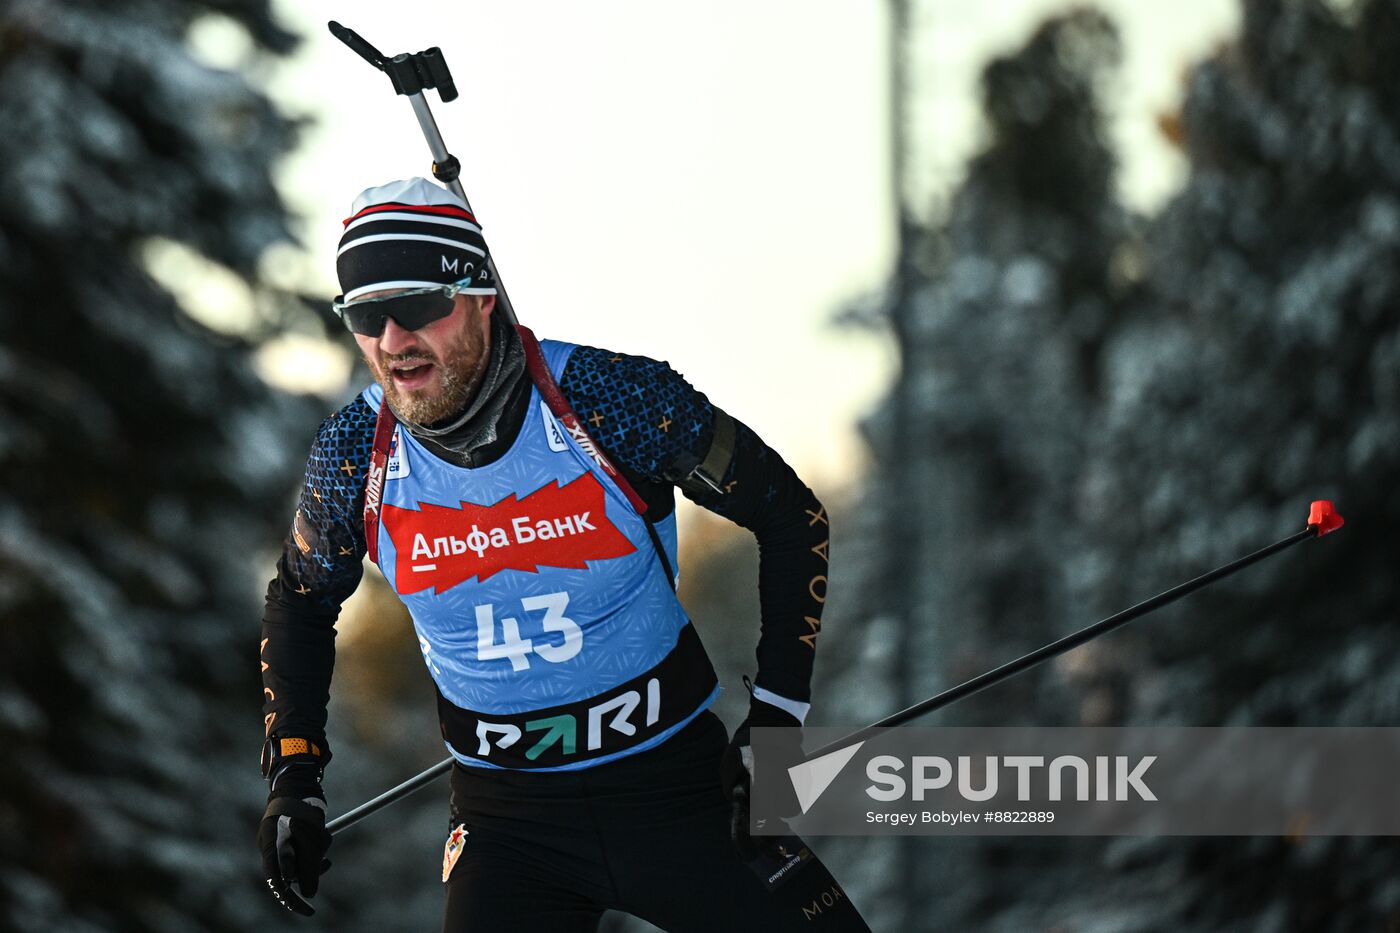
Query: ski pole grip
x=357, y=44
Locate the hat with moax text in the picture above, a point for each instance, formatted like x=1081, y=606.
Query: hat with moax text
x=411, y=234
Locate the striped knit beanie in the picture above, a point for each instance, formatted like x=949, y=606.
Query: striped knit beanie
x=410, y=234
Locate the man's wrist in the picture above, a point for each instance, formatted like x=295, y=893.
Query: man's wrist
x=294, y=765
x=300, y=779
x=795, y=708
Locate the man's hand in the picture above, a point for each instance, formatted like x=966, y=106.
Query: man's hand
x=293, y=839
x=737, y=770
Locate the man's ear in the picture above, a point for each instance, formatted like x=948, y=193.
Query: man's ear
x=488, y=304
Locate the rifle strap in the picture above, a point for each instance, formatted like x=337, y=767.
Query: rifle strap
x=558, y=405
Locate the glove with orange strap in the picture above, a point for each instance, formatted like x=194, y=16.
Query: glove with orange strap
x=292, y=836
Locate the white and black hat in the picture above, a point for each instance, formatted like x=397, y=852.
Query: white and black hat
x=411, y=234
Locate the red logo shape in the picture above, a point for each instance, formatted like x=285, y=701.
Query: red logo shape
x=555, y=526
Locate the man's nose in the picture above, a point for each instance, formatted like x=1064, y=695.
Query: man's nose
x=396, y=338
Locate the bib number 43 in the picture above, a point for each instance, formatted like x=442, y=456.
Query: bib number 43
x=518, y=650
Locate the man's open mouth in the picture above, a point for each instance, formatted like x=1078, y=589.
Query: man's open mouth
x=411, y=374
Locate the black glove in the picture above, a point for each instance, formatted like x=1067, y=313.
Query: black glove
x=292, y=836
x=737, y=769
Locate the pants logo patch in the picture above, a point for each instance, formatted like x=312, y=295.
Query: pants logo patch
x=456, y=842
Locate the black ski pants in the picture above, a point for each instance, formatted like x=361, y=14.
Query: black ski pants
x=647, y=835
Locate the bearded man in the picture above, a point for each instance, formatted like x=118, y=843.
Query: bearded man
x=534, y=548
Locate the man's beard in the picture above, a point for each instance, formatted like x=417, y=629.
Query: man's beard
x=455, y=377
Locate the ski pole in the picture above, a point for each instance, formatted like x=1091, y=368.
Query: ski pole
x=346, y=820
x=411, y=75
x=1322, y=518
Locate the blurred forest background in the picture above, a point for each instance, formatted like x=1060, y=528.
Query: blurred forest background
x=1091, y=405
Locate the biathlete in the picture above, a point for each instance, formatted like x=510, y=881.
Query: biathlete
x=519, y=498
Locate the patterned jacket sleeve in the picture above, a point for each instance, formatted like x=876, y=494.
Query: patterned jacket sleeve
x=320, y=566
x=658, y=428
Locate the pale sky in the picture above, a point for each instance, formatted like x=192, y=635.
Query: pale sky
x=704, y=184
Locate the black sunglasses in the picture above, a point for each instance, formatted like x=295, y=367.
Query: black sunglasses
x=410, y=309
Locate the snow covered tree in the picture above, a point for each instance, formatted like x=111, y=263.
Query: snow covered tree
x=144, y=461
x=980, y=444
x=1091, y=409
x=1264, y=372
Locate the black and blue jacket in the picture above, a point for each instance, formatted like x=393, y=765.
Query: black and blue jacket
x=662, y=434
